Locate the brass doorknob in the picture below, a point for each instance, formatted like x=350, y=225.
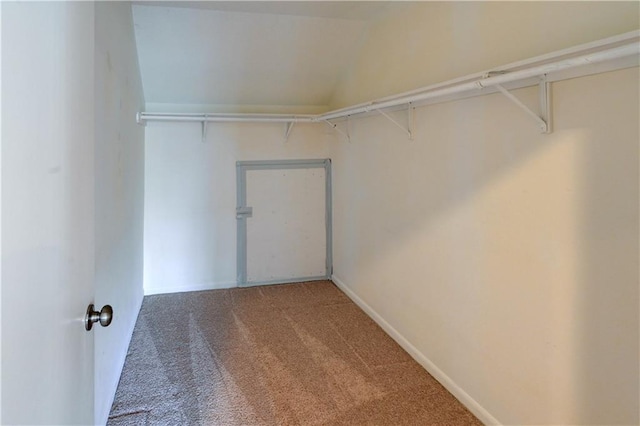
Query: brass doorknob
x=104, y=316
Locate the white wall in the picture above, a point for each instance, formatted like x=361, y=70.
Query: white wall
x=119, y=193
x=190, y=196
x=506, y=261
x=424, y=43
x=0, y=215
x=206, y=56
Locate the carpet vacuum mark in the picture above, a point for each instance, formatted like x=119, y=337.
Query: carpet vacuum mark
x=293, y=354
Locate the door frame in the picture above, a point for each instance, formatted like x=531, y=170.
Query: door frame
x=243, y=212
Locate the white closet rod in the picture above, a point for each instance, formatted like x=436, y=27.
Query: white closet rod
x=468, y=84
x=489, y=81
x=226, y=117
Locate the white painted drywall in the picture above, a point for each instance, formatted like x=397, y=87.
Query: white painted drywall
x=507, y=259
x=204, y=56
x=0, y=213
x=119, y=193
x=48, y=212
x=424, y=43
x=190, y=196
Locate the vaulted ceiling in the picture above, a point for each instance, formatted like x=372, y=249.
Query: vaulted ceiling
x=234, y=55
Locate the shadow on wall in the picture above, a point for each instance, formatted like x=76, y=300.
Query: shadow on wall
x=508, y=258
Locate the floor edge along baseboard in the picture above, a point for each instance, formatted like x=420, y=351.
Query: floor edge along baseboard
x=479, y=411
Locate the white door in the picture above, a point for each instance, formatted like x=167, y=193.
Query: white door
x=47, y=212
x=284, y=221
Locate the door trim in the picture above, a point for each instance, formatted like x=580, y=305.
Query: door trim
x=242, y=167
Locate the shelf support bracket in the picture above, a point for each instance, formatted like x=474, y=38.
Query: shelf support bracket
x=411, y=119
x=140, y=120
x=337, y=129
x=204, y=129
x=388, y=117
x=544, y=104
x=287, y=130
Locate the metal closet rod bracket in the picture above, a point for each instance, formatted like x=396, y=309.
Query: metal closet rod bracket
x=287, y=130
x=337, y=129
x=409, y=129
x=140, y=119
x=544, y=118
x=204, y=129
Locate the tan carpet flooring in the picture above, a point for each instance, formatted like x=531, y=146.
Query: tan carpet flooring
x=295, y=354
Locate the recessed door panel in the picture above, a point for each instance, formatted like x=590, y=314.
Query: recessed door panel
x=284, y=221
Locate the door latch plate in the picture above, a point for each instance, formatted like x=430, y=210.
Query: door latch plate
x=244, y=212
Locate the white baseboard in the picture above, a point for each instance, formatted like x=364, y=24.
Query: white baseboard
x=122, y=356
x=190, y=287
x=473, y=406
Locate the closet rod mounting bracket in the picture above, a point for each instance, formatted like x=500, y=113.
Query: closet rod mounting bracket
x=542, y=119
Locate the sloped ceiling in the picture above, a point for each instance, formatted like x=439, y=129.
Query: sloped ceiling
x=221, y=55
